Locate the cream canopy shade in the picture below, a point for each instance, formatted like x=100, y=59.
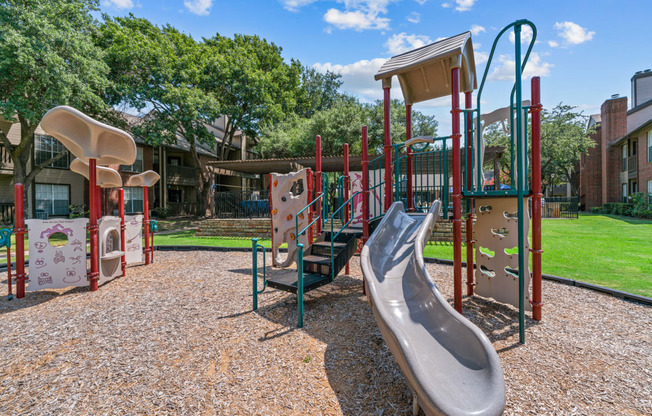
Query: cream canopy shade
x=87, y=138
x=105, y=177
x=145, y=179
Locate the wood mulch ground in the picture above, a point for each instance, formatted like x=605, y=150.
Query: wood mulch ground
x=179, y=337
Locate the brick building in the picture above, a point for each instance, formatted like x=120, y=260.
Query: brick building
x=621, y=162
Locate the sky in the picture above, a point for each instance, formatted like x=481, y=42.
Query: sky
x=585, y=51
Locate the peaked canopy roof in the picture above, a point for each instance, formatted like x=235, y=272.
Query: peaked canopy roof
x=424, y=73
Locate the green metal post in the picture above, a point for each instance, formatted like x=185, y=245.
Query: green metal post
x=446, y=183
x=300, y=285
x=254, y=246
x=521, y=148
x=397, y=167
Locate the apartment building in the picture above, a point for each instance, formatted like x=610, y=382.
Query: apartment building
x=621, y=162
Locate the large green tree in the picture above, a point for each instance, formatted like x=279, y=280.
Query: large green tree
x=47, y=58
x=253, y=83
x=563, y=139
x=342, y=123
x=162, y=70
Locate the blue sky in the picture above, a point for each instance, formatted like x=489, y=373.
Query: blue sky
x=585, y=51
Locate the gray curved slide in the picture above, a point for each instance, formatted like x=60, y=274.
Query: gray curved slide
x=450, y=365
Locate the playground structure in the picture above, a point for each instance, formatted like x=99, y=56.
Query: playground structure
x=406, y=303
x=63, y=265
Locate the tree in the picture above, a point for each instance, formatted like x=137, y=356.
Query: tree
x=162, y=69
x=254, y=85
x=47, y=58
x=318, y=91
x=563, y=139
x=341, y=124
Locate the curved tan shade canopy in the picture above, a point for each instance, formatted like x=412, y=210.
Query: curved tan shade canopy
x=145, y=179
x=105, y=177
x=87, y=139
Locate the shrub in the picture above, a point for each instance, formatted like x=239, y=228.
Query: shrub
x=596, y=210
x=77, y=211
x=162, y=212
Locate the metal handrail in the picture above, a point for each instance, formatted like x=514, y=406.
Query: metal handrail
x=333, y=237
x=296, y=218
x=256, y=292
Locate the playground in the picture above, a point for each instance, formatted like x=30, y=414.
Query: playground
x=171, y=342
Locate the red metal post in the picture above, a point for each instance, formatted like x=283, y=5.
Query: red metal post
x=98, y=201
x=346, y=193
x=19, y=231
x=408, y=136
x=121, y=193
x=311, y=192
x=468, y=103
x=146, y=209
x=365, y=193
x=388, y=150
x=93, y=276
x=457, y=191
x=318, y=182
x=536, y=198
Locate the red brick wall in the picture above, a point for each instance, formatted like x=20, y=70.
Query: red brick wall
x=613, y=126
x=591, y=174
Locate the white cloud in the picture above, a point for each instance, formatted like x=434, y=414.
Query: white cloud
x=480, y=57
x=356, y=20
x=573, y=33
x=534, y=67
x=414, y=17
x=199, y=7
x=358, y=78
x=446, y=5
x=464, y=5
x=526, y=35
x=119, y=4
x=553, y=44
x=295, y=5
x=421, y=2
x=403, y=42
x=477, y=29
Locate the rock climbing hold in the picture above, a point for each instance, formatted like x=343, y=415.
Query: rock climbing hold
x=274, y=211
x=289, y=217
x=283, y=199
x=301, y=216
x=292, y=237
x=275, y=183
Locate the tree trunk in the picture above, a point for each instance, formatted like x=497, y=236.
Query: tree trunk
x=202, y=182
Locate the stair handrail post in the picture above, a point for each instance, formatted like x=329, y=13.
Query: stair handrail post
x=387, y=83
x=365, y=185
x=408, y=136
x=146, y=209
x=93, y=276
x=254, y=250
x=300, y=285
x=535, y=108
x=347, y=181
x=310, y=194
x=318, y=175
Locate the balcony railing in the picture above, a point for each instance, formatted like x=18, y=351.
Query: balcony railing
x=5, y=158
x=181, y=175
x=632, y=163
x=6, y=213
x=245, y=204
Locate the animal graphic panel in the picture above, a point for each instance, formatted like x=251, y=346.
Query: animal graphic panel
x=58, y=262
x=134, y=238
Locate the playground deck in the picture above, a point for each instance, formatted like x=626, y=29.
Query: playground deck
x=179, y=337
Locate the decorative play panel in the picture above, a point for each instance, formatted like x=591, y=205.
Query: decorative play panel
x=134, y=238
x=110, y=254
x=289, y=196
x=56, y=267
x=496, y=230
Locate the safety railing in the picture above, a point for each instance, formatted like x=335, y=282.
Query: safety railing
x=255, y=246
x=376, y=187
x=348, y=203
x=299, y=216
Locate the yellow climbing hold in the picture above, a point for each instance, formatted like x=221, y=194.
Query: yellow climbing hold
x=274, y=211
x=289, y=217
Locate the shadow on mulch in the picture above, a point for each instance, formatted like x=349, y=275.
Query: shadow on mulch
x=33, y=298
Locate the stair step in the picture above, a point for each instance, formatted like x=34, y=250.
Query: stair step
x=288, y=280
x=323, y=248
x=317, y=264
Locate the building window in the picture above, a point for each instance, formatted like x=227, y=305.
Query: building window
x=649, y=186
x=134, y=199
x=46, y=147
x=649, y=146
x=138, y=163
x=625, y=157
x=624, y=192
x=52, y=199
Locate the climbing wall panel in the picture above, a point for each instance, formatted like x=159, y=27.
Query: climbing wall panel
x=496, y=230
x=289, y=196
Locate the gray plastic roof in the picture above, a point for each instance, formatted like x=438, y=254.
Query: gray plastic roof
x=424, y=73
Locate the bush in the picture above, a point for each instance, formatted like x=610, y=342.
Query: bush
x=77, y=211
x=162, y=212
x=596, y=210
